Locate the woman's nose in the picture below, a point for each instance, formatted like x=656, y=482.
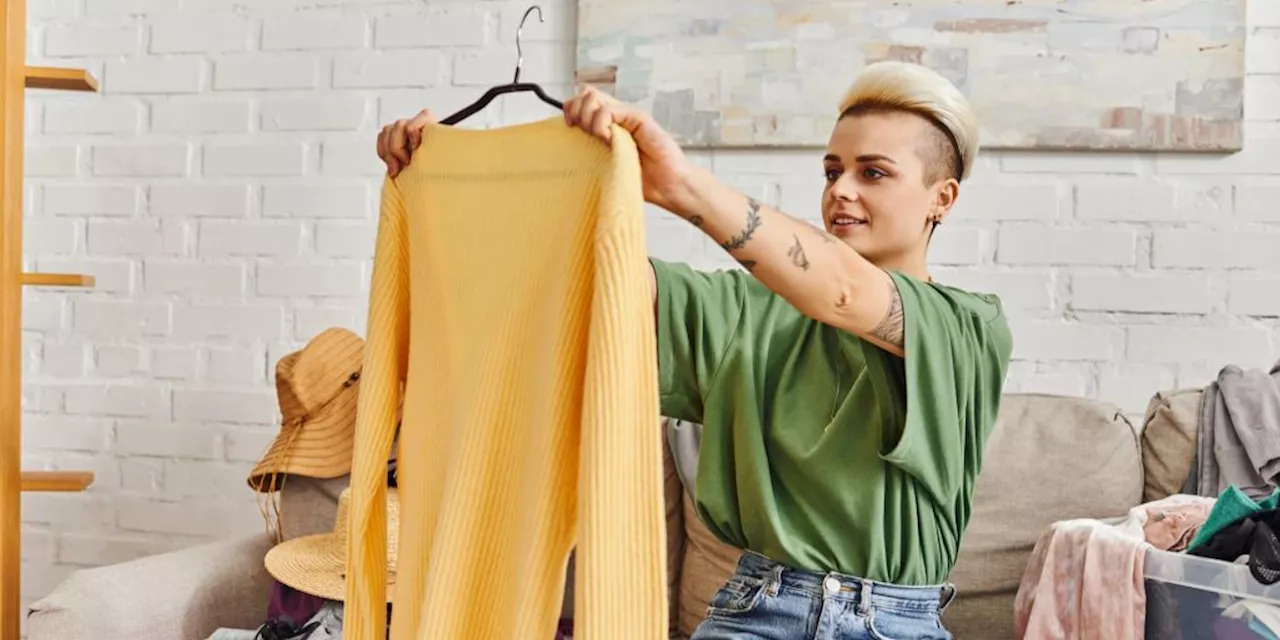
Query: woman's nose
x=845, y=188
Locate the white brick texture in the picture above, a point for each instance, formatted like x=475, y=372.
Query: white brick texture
x=76, y=41
x=389, y=70
x=142, y=160
x=278, y=159
x=266, y=73
x=223, y=189
x=465, y=25
x=158, y=76
x=106, y=117
x=201, y=34
x=200, y=116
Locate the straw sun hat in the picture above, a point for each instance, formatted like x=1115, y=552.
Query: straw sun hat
x=317, y=564
x=317, y=389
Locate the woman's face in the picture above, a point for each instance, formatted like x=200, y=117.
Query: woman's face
x=881, y=195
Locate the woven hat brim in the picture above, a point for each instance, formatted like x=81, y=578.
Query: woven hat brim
x=314, y=564
x=322, y=447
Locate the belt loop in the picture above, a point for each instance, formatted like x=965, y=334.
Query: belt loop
x=864, y=597
x=949, y=594
x=775, y=579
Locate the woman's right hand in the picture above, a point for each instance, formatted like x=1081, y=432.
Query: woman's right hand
x=398, y=140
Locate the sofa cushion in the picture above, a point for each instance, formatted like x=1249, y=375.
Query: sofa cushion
x=1049, y=458
x=179, y=594
x=309, y=505
x=1169, y=433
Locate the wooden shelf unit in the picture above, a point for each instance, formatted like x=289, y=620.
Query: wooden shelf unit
x=15, y=78
x=59, y=78
x=57, y=280
x=56, y=480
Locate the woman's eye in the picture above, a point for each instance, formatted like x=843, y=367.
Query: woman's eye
x=872, y=173
x=831, y=175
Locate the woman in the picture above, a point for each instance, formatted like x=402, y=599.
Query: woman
x=845, y=396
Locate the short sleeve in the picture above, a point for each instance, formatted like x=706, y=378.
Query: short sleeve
x=697, y=316
x=957, y=347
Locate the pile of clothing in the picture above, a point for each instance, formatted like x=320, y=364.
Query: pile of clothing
x=1086, y=578
x=1240, y=531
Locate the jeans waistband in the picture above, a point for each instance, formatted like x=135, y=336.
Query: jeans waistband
x=865, y=593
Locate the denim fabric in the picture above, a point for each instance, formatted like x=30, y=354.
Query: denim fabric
x=765, y=600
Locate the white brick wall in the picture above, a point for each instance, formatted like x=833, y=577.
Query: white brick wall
x=223, y=188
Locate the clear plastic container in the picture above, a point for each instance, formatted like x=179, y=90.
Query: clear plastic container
x=1189, y=598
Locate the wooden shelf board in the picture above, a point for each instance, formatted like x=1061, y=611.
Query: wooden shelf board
x=56, y=480
x=59, y=78
x=57, y=280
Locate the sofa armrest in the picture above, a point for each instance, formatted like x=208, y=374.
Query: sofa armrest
x=180, y=595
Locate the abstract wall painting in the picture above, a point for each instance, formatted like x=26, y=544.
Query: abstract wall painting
x=1154, y=75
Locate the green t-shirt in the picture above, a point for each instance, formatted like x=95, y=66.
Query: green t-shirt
x=821, y=450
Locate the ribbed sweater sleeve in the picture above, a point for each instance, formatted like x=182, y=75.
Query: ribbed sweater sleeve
x=385, y=365
x=621, y=570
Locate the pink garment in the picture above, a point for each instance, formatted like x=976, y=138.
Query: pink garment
x=1084, y=578
x=1173, y=525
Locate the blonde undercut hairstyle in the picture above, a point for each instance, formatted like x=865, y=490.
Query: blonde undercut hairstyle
x=892, y=86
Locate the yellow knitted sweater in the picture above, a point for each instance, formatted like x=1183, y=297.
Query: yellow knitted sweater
x=509, y=297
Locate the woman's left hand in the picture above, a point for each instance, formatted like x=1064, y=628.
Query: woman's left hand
x=663, y=165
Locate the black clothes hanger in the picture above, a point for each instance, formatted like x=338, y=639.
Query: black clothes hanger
x=514, y=87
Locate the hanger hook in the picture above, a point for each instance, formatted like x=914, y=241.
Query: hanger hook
x=519, y=51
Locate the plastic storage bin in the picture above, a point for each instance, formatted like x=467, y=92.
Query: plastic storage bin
x=1193, y=598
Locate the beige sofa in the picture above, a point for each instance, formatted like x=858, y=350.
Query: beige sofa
x=1050, y=458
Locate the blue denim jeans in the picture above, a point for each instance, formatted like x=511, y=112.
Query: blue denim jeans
x=765, y=600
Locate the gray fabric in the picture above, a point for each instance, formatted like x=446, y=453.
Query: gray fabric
x=328, y=621
x=1205, y=471
x=1253, y=400
x=1240, y=432
x=182, y=594
x=685, y=440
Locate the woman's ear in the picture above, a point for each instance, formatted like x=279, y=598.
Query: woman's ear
x=948, y=191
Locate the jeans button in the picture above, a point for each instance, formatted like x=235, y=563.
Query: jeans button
x=832, y=584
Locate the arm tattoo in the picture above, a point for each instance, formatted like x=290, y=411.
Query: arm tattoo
x=749, y=264
x=796, y=253
x=696, y=220
x=753, y=223
x=891, y=327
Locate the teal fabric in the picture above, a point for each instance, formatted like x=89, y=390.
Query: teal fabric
x=1232, y=507
x=1260, y=628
